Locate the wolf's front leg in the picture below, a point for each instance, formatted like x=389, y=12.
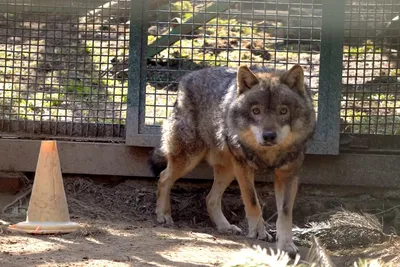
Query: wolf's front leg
x=286, y=184
x=245, y=177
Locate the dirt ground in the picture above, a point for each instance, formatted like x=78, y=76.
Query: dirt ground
x=118, y=226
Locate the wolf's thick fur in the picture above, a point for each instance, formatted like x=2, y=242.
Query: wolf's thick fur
x=239, y=120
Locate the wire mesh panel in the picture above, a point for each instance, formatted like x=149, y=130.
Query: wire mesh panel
x=187, y=35
x=179, y=36
x=61, y=68
x=370, y=91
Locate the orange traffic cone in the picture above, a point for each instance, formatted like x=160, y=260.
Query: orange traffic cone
x=48, y=208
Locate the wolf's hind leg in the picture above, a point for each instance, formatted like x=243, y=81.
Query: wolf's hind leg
x=176, y=168
x=223, y=176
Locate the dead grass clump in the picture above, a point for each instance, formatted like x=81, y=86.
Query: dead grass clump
x=89, y=199
x=372, y=263
x=355, y=229
x=258, y=257
x=344, y=229
x=317, y=257
x=387, y=253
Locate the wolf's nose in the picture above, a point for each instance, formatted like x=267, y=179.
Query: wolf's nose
x=269, y=136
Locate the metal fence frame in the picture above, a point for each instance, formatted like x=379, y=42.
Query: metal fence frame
x=326, y=139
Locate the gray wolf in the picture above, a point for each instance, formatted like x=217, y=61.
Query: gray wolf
x=238, y=120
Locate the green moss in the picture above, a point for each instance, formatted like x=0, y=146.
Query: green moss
x=368, y=47
x=182, y=6
x=79, y=88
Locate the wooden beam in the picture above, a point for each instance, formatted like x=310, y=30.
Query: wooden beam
x=347, y=169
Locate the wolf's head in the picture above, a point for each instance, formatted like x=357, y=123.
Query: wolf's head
x=271, y=108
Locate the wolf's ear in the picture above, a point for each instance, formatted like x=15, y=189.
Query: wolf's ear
x=245, y=79
x=294, y=78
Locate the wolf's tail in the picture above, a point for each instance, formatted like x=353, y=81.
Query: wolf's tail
x=157, y=162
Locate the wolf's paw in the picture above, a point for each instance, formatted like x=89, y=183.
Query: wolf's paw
x=231, y=229
x=165, y=219
x=289, y=247
x=261, y=235
x=257, y=230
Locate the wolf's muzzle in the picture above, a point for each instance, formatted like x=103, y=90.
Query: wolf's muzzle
x=269, y=138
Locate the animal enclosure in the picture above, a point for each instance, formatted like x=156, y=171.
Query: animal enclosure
x=98, y=71
x=94, y=75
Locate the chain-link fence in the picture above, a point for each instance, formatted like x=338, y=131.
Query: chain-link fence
x=370, y=91
x=57, y=62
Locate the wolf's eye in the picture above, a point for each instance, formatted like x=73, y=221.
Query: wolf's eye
x=256, y=111
x=283, y=111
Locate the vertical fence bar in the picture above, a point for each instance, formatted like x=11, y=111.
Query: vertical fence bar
x=330, y=78
x=137, y=67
